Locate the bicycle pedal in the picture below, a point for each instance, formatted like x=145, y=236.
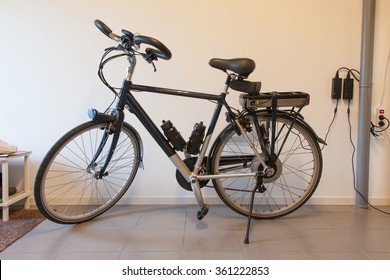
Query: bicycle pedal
x=202, y=212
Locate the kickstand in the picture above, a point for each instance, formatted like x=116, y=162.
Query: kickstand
x=260, y=187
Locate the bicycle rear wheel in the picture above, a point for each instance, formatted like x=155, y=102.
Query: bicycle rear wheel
x=67, y=186
x=288, y=184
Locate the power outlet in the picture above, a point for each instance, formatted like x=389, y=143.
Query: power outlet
x=380, y=113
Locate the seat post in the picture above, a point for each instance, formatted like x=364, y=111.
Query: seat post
x=228, y=79
x=227, y=83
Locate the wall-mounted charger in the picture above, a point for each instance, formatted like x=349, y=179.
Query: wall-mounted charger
x=336, y=87
x=348, y=88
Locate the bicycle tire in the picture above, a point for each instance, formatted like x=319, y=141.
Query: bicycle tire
x=295, y=177
x=67, y=191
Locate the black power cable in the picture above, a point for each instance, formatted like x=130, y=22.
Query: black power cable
x=353, y=164
x=331, y=123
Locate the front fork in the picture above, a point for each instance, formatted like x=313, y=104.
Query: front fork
x=114, y=129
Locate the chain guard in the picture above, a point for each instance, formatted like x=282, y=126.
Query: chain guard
x=190, y=162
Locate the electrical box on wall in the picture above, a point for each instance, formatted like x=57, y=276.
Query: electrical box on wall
x=380, y=116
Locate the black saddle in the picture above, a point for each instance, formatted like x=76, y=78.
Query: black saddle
x=241, y=66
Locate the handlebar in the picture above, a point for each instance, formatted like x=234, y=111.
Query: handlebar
x=161, y=50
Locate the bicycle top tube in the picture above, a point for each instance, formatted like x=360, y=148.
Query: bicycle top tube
x=176, y=92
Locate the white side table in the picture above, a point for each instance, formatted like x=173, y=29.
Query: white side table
x=7, y=200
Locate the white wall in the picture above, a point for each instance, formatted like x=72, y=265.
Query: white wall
x=50, y=52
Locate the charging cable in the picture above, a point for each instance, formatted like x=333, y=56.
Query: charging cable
x=353, y=163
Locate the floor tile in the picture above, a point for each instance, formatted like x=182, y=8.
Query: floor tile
x=88, y=256
x=162, y=216
x=158, y=240
x=46, y=237
x=210, y=239
x=312, y=221
x=359, y=220
x=323, y=240
x=212, y=255
x=97, y=240
x=150, y=255
x=338, y=255
x=276, y=255
x=378, y=255
x=369, y=240
x=120, y=217
x=10, y=255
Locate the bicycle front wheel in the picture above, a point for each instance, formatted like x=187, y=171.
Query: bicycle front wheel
x=67, y=186
x=288, y=184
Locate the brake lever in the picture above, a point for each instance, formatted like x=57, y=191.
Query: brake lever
x=154, y=67
x=149, y=57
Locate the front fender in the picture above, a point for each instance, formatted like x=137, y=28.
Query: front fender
x=141, y=145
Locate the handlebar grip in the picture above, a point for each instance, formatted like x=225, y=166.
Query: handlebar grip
x=103, y=27
x=162, y=51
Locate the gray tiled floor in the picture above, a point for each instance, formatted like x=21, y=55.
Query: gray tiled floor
x=173, y=232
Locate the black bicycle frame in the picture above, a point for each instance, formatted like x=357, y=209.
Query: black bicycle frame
x=126, y=98
x=150, y=126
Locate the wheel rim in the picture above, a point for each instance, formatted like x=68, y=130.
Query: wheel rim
x=71, y=190
x=289, y=185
